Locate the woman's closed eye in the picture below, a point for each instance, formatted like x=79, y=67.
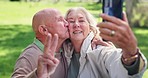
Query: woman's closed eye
x=71, y=21
x=81, y=20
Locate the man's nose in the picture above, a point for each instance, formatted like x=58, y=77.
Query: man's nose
x=66, y=23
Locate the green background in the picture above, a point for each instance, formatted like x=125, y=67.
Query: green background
x=16, y=31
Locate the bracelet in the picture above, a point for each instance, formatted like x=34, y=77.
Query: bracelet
x=130, y=59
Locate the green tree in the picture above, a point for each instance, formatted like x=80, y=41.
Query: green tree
x=137, y=12
x=130, y=5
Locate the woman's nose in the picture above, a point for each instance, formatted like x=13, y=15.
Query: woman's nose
x=76, y=24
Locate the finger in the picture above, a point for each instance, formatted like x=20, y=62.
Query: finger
x=116, y=39
x=105, y=37
x=100, y=42
x=109, y=38
x=126, y=23
x=105, y=31
x=47, y=43
x=43, y=60
x=48, y=56
x=53, y=62
x=110, y=43
x=40, y=60
x=108, y=25
x=48, y=61
x=56, y=61
x=93, y=44
x=103, y=43
x=125, y=17
x=124, y=30
x=54, y=44
x=111, y=19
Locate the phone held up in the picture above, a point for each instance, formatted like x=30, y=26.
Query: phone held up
x=113, y=8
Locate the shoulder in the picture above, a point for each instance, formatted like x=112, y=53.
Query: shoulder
x=31, y=50
x=30, y=54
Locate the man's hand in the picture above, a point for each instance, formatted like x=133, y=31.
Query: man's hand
x=99, y=41
x=47, y=63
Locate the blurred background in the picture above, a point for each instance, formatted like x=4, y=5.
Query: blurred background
x=16, y=31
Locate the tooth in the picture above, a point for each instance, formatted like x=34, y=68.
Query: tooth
x=77, y=32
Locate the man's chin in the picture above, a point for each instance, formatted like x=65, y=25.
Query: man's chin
x=66, y=36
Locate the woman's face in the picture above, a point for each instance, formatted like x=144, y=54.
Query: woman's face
x=78, y=25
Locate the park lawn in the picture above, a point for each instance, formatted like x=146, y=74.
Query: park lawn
x=16, y=32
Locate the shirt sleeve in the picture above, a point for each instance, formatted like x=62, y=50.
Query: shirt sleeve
x=136, y=67
x=23, y=69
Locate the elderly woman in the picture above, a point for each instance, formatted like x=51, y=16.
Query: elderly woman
x=101, y=61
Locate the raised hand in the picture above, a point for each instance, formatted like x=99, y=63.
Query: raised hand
x=119, y=32
x=47, y=63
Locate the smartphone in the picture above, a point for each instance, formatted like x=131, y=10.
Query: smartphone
x=113, y=8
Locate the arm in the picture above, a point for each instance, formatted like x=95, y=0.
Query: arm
x=32, y=64
x=119, y=32
x=23, y=68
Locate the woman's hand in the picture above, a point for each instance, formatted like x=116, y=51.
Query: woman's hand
x=119, y=32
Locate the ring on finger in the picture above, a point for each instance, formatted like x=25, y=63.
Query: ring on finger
x=112, y=33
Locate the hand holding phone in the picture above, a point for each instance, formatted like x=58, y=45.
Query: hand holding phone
x=113, y=8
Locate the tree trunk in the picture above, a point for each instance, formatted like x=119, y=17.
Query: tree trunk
x=130, y=6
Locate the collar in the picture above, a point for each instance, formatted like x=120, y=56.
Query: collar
x=39, y=44
x=86, y=46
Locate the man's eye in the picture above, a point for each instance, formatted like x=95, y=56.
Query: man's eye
x=60, y=19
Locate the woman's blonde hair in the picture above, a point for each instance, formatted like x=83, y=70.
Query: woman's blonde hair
x=90, y=18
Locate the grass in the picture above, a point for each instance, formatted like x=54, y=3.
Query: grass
x=13, y=39
x=141, y=34
x=16, y=32
x=21, y=12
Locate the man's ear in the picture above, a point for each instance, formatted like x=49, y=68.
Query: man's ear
x=43, y=29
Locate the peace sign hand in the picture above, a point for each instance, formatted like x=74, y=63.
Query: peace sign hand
x=47, y=63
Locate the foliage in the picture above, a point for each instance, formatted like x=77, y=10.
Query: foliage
x=14, y=0
x=140, y=12
x=16, y=31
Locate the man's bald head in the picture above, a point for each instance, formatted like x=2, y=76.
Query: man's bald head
x=43, y=17
x=50, y=21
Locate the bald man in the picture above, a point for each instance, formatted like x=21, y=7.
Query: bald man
x=38, y=60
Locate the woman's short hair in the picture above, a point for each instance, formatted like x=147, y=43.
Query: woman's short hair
x=90, y=18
